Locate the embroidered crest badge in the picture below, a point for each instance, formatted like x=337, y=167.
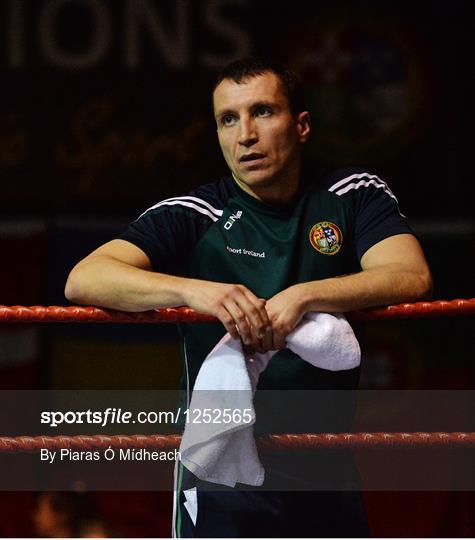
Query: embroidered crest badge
x=326, y=237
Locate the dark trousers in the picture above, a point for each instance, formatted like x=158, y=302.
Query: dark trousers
x=234, y=512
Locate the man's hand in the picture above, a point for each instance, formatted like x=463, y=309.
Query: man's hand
x=242, y=313
x=285, y=311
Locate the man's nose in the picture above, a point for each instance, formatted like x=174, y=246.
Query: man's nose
x=247, y=132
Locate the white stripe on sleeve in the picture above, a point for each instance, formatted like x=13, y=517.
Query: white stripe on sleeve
x=181, y=202
x=347, y=184
x=365, y=183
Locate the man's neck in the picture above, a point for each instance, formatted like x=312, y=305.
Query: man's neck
x=281, y=192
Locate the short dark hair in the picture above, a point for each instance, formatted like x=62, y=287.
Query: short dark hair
x=253, y=66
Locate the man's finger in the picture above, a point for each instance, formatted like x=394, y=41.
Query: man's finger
x=255, y=310
x=240, y=320
x=228, y=322
x=268, y=340
x=278, y=337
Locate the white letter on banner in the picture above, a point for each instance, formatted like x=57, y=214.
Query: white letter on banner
x=239, y=40
x=173, y=47
x=100, y=42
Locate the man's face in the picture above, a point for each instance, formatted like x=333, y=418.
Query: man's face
x=259, y=136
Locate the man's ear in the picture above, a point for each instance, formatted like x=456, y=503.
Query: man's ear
x=304, y=126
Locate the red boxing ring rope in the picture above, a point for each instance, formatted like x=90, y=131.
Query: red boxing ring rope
x=70, y=314
x=302, y=441
x=34, y=314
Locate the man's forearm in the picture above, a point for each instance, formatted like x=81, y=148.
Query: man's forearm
x=103, y=280
x=108, y=282
x=379, y=286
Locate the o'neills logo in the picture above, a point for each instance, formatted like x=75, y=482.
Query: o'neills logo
x=326, y=237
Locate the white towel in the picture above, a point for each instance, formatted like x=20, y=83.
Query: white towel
x=224, y=452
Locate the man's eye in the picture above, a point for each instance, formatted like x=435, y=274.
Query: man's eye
x=263, y=111
x=228, y=120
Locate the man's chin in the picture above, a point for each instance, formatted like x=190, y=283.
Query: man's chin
x=258, y=179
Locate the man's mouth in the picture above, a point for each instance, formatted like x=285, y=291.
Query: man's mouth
x=251, y=158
